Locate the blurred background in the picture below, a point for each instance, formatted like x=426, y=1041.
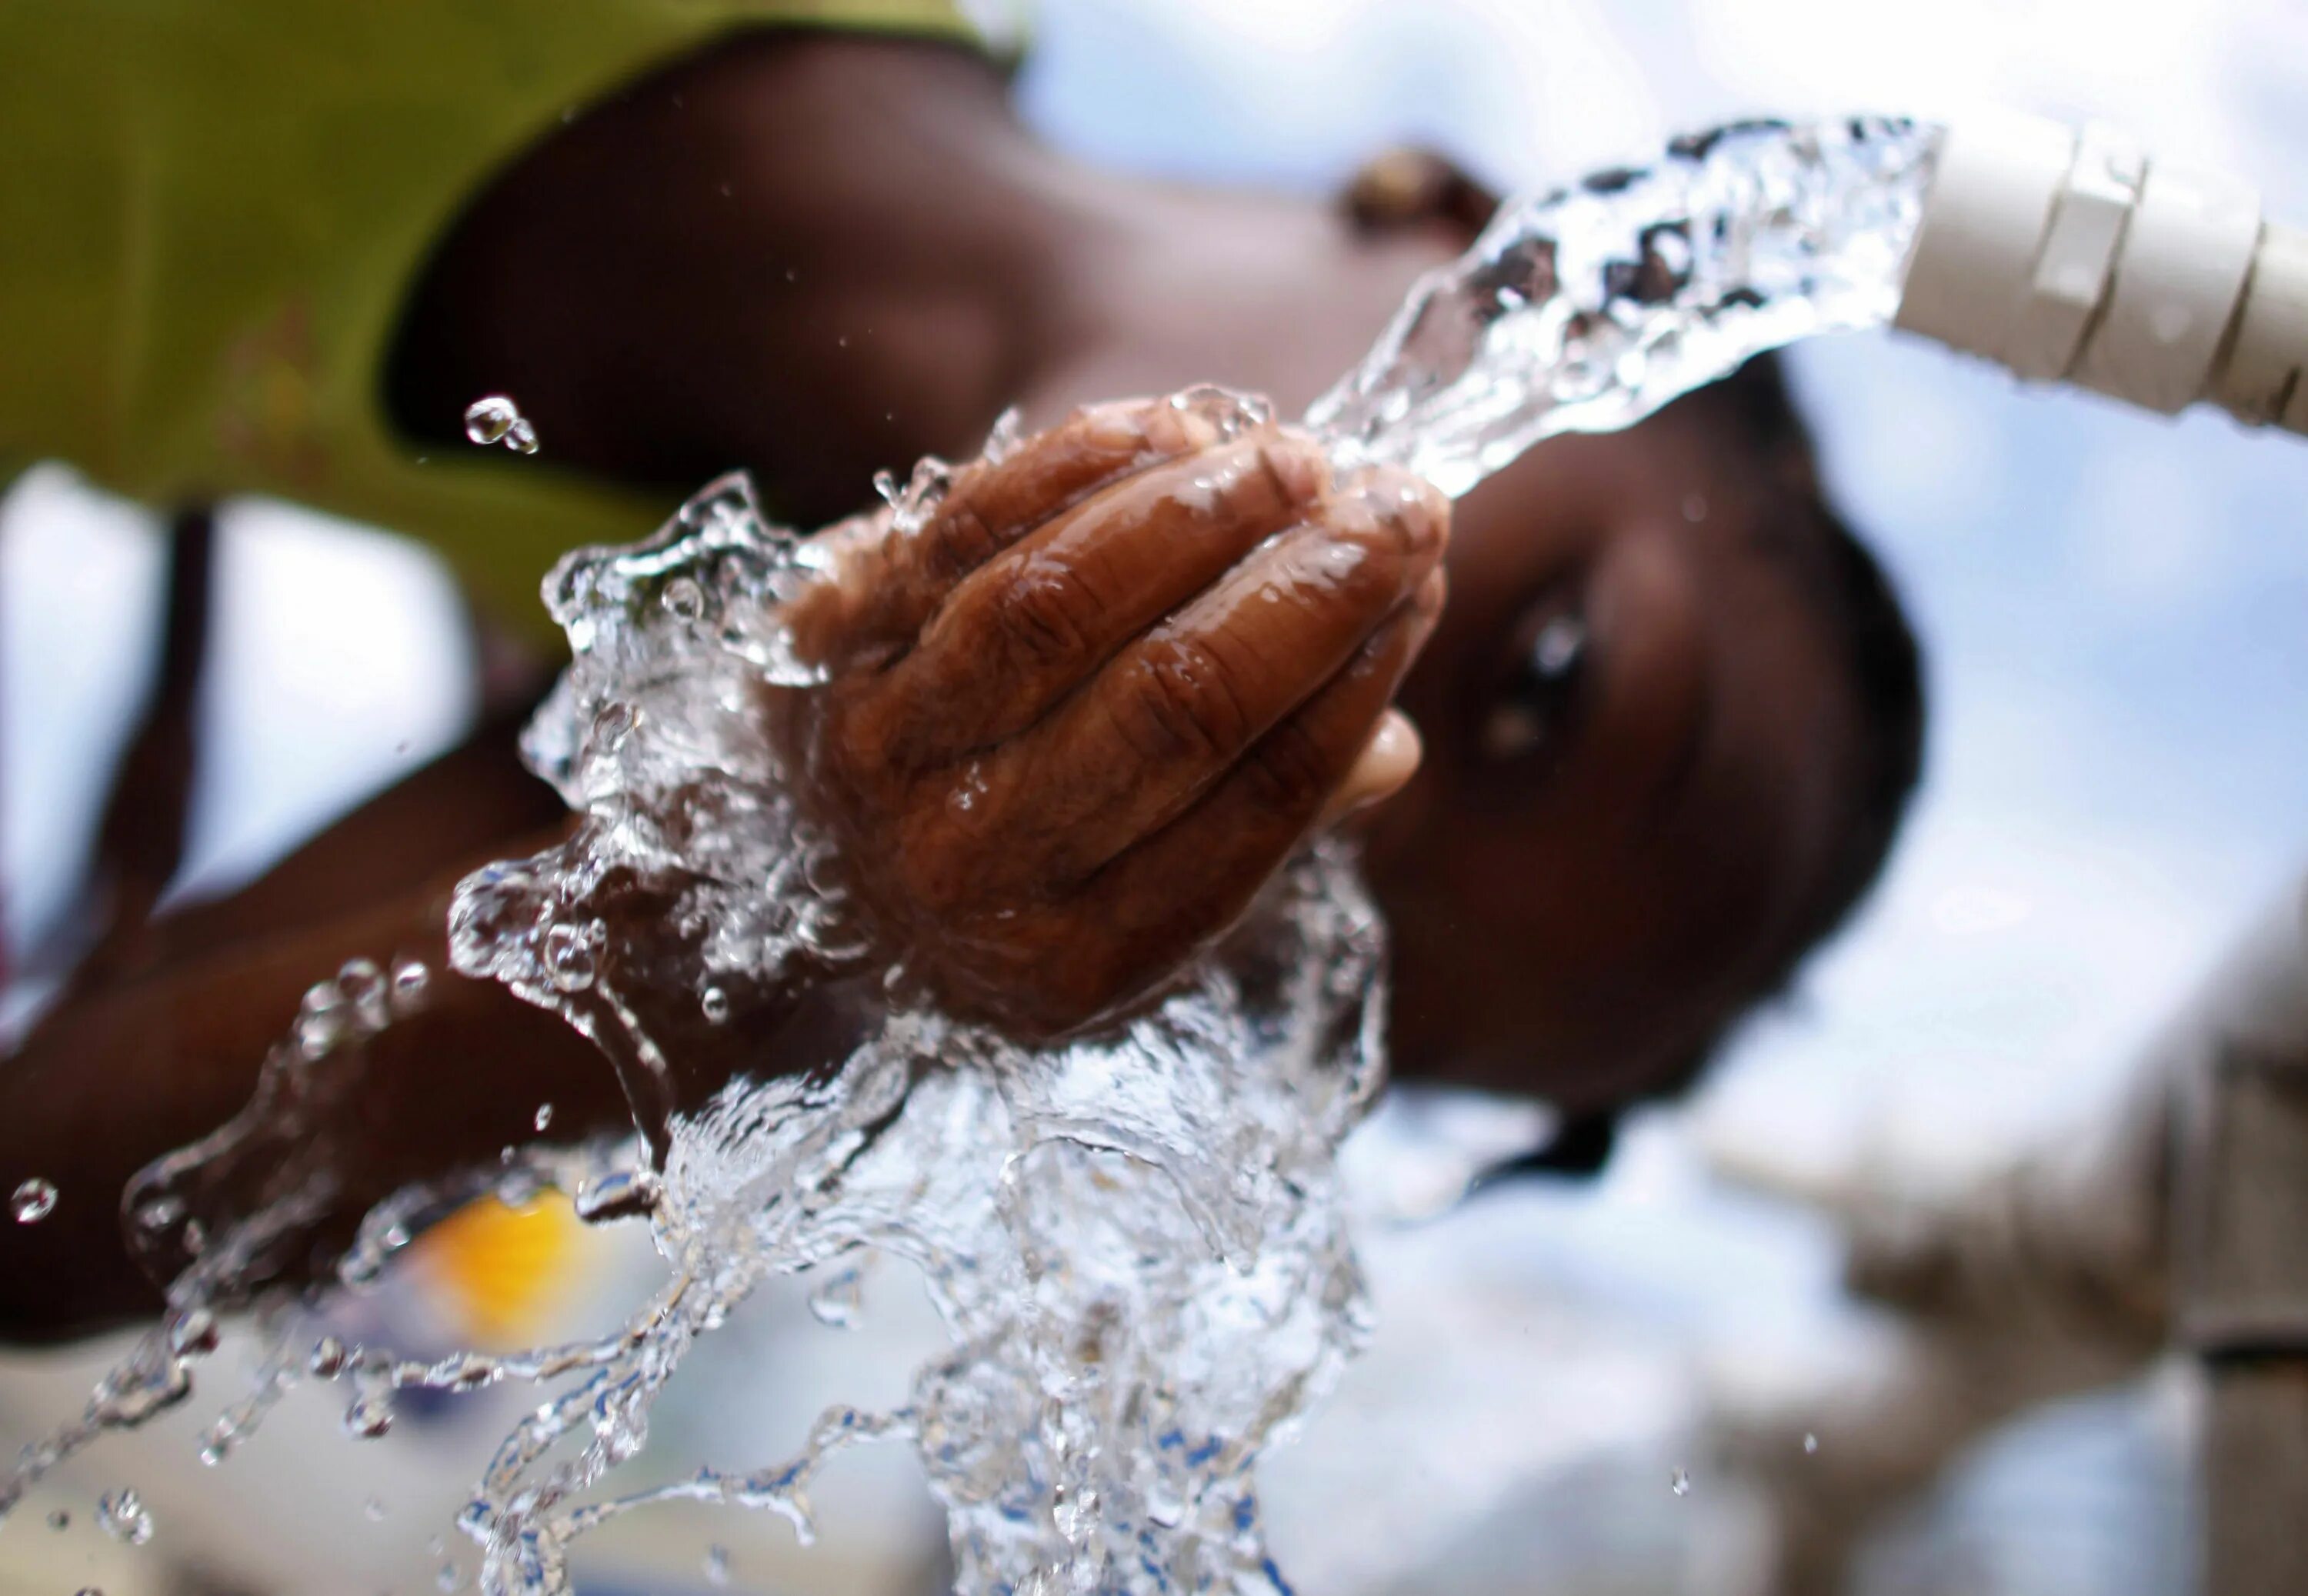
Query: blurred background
x=2112, y=607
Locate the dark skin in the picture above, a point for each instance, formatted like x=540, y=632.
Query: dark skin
x=1595, y=867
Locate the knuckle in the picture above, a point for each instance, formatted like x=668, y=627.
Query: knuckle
x=1290, y=770
x=1292, y=469
x=963, y=539
x=1404, y=513
x=1042, y=615
x=1179, y=702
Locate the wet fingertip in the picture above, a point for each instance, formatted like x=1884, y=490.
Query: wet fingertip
x=1295, y=465
x=1166, y=429
x=1389, y=759
x=1412, y=508
x=1432, y=593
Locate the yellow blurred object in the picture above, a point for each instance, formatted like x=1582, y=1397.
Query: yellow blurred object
x=501, y=1271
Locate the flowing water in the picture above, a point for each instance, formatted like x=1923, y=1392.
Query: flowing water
x=1136, y=1241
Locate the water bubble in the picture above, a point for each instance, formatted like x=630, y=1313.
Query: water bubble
x=520, y=437
x=488, y=420
x=572, y=956
x=60, y=1520
x=836, y=1302
x=683, y=598
x=123, y=1516
x=1679, y=1482
x=543, y=1116
x=33, y=1201
x=1810, y=1443
x=715, y=1003
x=328, y=1358
x=717, y=1566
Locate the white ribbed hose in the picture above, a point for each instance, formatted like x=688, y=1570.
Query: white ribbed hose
x=2069, y=256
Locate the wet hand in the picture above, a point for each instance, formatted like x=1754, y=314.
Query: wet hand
x=1079, y=717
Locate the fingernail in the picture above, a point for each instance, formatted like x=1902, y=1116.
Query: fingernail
x=1389, y=760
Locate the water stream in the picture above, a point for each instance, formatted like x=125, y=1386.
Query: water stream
x=1136, y=1242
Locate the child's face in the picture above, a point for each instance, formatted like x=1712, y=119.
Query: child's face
x=1638, y=735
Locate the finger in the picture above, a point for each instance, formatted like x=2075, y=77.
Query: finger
x=1185, y=887
x=1388, y=760
x=1027, y=627
x=1175, y=709
x=993, y=504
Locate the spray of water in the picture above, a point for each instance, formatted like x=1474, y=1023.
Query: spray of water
x=1135, y=1240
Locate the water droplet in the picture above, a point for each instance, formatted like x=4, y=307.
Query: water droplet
x=369, y=1417
x=361, y=983
x=1680, y=1482
x=60, y=1520
x=571, y=956
x=193, y=1333
x=488, y=420
x=320, y=1020
x=683, y=599
x=836, y=1302
x=1810, y=1443
x=625, y=1195
x=34, y=1200
x=885, y=483
x=1002, y=442
x=411, y=979
x=717, y=1566
x=715, y=1002
x=1694, y=508
x=373, y=1510
x=843, y=341
x=328, y=1359
x=123, y=1516
x=543, y=1116
x=520, y=437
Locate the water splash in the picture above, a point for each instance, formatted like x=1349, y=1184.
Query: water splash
x=1587, y=308
x=1136, y=1241
x=123, y=1516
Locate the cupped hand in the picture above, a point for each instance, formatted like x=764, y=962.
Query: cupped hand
x=1081, y=714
